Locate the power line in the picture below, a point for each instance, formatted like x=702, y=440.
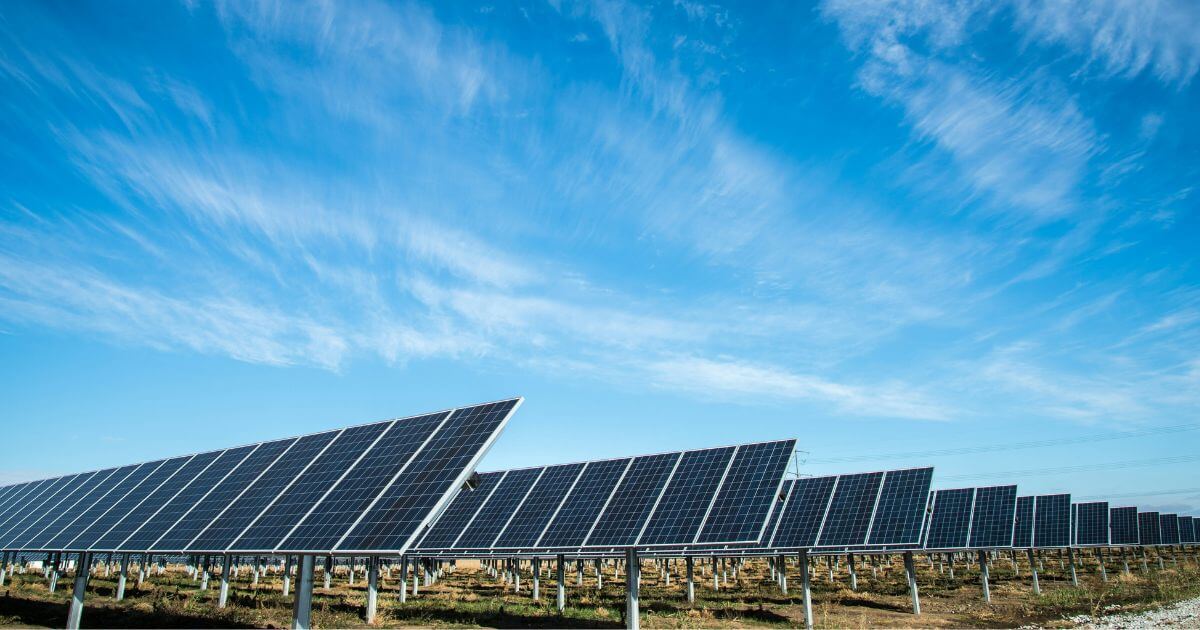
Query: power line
x=1011, y=446
x=1135, y=495
x=1061, y=470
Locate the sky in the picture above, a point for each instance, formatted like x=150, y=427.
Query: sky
x=906, y=233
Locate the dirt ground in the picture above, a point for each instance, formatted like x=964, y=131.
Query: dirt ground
x=468, y=597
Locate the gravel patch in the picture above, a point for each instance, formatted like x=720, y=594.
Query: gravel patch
x=1185, y=614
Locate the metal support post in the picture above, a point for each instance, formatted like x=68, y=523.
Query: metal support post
x=1100, y=562
x=807, y=587
x=562, y=584
x=537, y=579
x=853, y=574
x=1071, y=561
x=691, y=582
x=75, y=614
x=912, y=582
x=223, y=597
x=403, y=579
x=372, y=587
x=632, y=614
x=1033, y=570
x=781, y=570
x=302, y=607
x=983, y=576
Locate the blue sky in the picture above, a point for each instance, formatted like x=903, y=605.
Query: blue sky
x=887, y=227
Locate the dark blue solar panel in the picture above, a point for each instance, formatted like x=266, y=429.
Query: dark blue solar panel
x=1052, y=521
x=246, y=502
x=290, y=507
x=583, y=505
x=144, y=513
x=122, y=507
x=1074, y=524
x=338, y=511
x=539, y=507
x=993, y=517
x=749, y=493
x=94, y=504
x=803, y=513
x=30, y=494
x=180, y=506
x=1124, y=526
x=1169, y=529
x=785, y=492
x=687, y=498
x=1187, y=529
x=414, y=495
x=1023, y=527
x=1091, y=524
x=15, y=526
x=901, y=508
x=1149, y=528
x=850, y=512
x=481, y=533
x=460, y=513
x=51, y=522
x=949, y=526
x=631, y=504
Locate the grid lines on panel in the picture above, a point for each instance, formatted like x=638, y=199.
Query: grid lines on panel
x=337, y=511
x=1123, y=526
x=186, y=499
x=99, y=500
x=254, y=493
x=993, y=518
x=748, y=494
x=36, y=494
x=123, y=506
x=850, y=512
x=688, y=496
x=405, y=504
x=1052, y=521
x=458, y=515
x=156, y=501
x=482, y=532
x=17, y=525
x=288, y=508
x=901, y=509
x=50, y=522
x=785, y=492
x=523, y=531
x=1168, y=529
x=804, y=512
x=1023, y=527
x=951, y=519
x=1149, y=528
x=1187, y=529
x=1091, y=523
x=630, y=505
x=583, y=505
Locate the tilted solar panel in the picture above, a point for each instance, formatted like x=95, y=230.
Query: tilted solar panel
x=17, y=525
x=1169, y=529
x=1074, y=524
x=1091, y=524
x=1052, y=521
x=1149, y=528
x=1123, y=526
x=145, y=513
x=803, y=512
x=687, y=498
x=950, y=523
x=582, y=507
x=993, y=517
x=124, y=505
x=849, y=516
x=900, y=512
x=33, y=496
x=1023, y=526
x=1187, y=529
x=482, y=532
x=748, y=494
x=461, y=512
x=631, y=504
x=539, y=507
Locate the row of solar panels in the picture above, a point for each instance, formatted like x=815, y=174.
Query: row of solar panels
x=367, y=488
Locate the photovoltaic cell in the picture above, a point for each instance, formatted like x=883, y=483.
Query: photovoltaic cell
x=949, y=526
x=630, y=505
x=1123, y=526
x=94, y=505
x=583, y=505
x=154, y=503
x=459, y=514
x=1149, y=528
x=1052, y=521
x=236, y=516
x=785, y=492
x=415, y=494
x=1091, y=524
x=1187, y=529
x=490, y=520
x=30, y=493
x=687, y=498
x=289, y=507
x=527, y=525
x=125, y=504
x=901, y=509
x=993, y=517
x=336, y=512
x=1023, y=527
x=17, y=524
x=803, y=513
x=51, y=522
x=850, y=512
x=748, y=494
x=1169, y=529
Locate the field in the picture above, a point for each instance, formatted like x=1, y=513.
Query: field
x=468, y=597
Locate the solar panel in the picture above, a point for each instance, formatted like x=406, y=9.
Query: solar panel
x=803, y=513
x=1169, y=528
x=901, y=509
x=1074, y=524
x=459, y=514
x=849, y=515
x=28, y=495
x=633, y=500
x=748, y=494
x=123, y=506
x=1091, y=524
x=993, y=516
x=539, y=507
x=1052, y=521
x=51, y=522
x=141, y=515
x=950, y=523
x=681, y=510
x=1023, y=526
x=1149, y=528
x=1123, y=526
x=21, y=520
x=94, y=504
x=1187, y=529
x=481, y=533
x=582, y=507
x=784, y=492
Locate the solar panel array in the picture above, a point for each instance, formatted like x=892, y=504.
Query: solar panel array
x=1052, y=521
x=1169, y=528
x=1187, y=529
x=1023, y=524
x=1123, y=526
x=879, y=509
x=1149, y=528
x=1091, y=524
x=367, y=488
x=712, y=496
x=971, y=518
